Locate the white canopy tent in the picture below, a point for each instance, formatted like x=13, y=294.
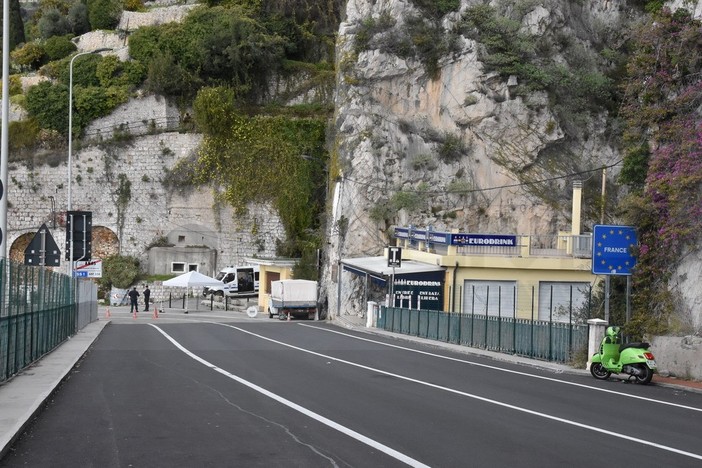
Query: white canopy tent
x=192, y=279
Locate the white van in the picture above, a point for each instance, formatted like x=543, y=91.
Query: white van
x=236, y=281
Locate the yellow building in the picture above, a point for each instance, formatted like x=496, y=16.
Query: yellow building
x=543, y=277
x=271, y=270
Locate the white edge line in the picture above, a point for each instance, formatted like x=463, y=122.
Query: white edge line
x=476, y=397
x=311, y=414
x=510, y=371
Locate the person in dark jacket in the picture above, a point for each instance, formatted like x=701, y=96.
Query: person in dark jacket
x=147, y=295
x=133, y=297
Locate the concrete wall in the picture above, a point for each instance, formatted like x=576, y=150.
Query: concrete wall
x=678, y=356
x=161, y=260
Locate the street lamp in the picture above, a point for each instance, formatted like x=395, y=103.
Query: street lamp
x=70, y=146
x=70, y=116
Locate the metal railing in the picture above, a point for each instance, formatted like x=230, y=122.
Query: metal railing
x=545, y=340
x=38, y=311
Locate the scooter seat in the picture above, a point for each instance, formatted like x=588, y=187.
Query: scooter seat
x=643, y=345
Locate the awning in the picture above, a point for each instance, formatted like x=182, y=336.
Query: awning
x=378, y=268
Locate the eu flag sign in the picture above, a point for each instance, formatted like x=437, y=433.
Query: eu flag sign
x=613, y=249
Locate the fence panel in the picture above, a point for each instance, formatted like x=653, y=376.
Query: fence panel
x=37, y=313
x=549, y=341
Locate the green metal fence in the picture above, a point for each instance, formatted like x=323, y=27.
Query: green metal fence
x=37, y=313
x=546, y=340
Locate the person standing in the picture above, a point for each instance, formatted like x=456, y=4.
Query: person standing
x=134, y=297
x=147, y=295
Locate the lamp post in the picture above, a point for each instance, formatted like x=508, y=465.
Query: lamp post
x=70, y=146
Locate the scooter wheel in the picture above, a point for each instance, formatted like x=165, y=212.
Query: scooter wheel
x=598, y=371
x=646, y=374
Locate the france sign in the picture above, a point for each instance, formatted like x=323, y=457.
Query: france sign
x=613, y=249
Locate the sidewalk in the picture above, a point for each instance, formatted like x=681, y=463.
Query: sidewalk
x=23, y=396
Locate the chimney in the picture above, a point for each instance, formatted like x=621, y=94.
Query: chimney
x=577, y=201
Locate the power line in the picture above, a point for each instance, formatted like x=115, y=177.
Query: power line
x=487, y=189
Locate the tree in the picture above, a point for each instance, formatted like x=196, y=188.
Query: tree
x=104, y=14
x=78, y=18
x=16, y=25
x=53, y=23
x=118, y=271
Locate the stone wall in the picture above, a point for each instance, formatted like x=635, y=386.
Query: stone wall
x=150, y=211
x=139, y=116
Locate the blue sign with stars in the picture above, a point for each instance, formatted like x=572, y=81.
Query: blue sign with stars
x=613, y=249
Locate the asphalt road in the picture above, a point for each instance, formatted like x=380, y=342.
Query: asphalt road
x=186, y=393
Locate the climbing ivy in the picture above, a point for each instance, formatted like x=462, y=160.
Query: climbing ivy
x=264, y=158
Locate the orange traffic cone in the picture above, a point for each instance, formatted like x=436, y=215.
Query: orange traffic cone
x=107, y=313
x=155, y=314
x=135, y=315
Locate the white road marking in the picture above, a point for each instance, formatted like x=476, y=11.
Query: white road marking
x=588, y=427
x=328, y=422
x=525, y=374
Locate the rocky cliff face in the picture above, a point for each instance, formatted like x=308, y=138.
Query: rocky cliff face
x=459, y=148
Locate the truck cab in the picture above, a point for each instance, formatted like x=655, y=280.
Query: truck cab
x=236, y=281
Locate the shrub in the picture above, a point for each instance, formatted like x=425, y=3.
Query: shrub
x=370, y=27
x=452, y=148
x=48, y=104
x=437, y=8
x=166, y=76
x=145, y=42
x=119, y=271
x=215, y=110
x=53, y=23
x=78, y=18
x=23, y=134
x=15, y=85
x=30, y=56
x=104, y=14
x=111, y=71
x=134, y=5
x=211, y=47
x=58, y=47
x=409, y=201
x=424, y=161
x=459, y=187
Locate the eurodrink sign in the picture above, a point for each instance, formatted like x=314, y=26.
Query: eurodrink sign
x=492, y=240
x=459, y=239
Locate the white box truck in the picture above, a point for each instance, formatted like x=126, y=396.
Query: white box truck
x=293, y=298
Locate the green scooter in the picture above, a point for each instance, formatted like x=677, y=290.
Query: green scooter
x=614, y=357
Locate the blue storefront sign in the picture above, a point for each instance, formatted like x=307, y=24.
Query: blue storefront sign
x=419, y=290
x=460, y=239
x=491, y=240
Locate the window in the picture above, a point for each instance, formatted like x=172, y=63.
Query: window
x=178, y=267
x=495, y=297
x=563, y=302
x=181, y=239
